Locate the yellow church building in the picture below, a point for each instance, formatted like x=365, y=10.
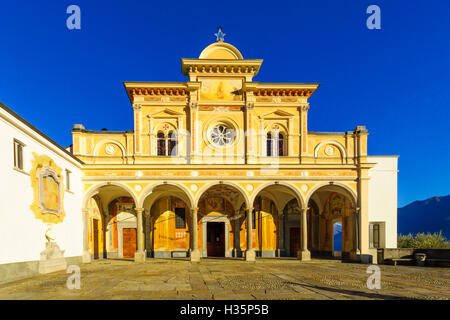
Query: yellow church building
x=223, y=166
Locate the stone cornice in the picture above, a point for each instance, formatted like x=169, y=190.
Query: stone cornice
x=220, y=66
x=155, y=89
x=281, y=89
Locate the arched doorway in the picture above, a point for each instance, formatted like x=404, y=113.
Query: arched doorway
x=337, y=221
x=110, y=222
x=292, y=224
x=121, y=230
x=167, y=221
x=221, y=212
x=278, y=220
x=266, y=225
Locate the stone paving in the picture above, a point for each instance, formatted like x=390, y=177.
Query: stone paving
x=234, y=279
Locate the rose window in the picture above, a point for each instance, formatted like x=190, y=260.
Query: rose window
x=222, y=135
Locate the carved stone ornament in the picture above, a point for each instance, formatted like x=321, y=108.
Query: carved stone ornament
x=110, y=149
x=329, y=150
x=52, y=258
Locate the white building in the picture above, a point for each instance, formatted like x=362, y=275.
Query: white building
x=21, y=233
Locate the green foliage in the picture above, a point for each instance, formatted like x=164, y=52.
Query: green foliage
x=423, y=241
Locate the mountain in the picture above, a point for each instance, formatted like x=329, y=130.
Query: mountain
x=430, y=215
x=337, y=236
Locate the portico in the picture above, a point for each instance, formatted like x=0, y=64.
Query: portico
x=221, y=165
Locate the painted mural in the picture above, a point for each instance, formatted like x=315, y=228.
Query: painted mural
x=337, y=205
x=221, y=89
x=48, y=190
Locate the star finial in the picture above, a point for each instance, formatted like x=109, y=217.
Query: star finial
x=220, y=35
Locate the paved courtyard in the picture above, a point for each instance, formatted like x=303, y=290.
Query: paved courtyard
x=234, y=279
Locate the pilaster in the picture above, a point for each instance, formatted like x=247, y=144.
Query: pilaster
x=137, y=128
x=86, y=254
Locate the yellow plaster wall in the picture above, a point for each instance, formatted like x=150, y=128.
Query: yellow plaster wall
x=164, y=235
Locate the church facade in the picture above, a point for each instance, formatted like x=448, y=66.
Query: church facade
x=221, y=165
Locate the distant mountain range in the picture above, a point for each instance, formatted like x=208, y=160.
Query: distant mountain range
x=431, y=215
x=337, y=234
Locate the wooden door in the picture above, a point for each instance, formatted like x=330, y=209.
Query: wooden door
x=95, y=231
x=294, y=241
x=216, y=239
x=129, y=242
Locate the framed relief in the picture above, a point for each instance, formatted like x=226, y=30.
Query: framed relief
x=48, y=190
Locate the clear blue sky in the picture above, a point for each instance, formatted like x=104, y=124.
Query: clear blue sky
x=396, y=80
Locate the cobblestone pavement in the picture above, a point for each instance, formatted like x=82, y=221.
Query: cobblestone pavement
x=234, y=279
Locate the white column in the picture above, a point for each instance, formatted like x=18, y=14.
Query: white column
x=195, y=253
x=366, y=255
x=250, y=253
x=86, y=254
x=139, y=256
x=304, y=253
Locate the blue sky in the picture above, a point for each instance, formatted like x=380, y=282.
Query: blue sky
x=396, y=80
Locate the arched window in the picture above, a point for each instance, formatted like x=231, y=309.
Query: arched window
x=172, y=142
x=161, y=144
x=281, y=145
x=276, y=144
x=166, y=144
x=269, y=145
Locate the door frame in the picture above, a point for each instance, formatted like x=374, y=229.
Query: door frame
x=299, y=242
x=136, y=241
x=215, y=218
x=222, y=227
x=120, y=226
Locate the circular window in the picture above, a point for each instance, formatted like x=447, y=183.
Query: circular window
x=222, y=135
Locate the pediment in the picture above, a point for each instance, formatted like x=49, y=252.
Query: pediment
x=165, y=112
x=277, y=114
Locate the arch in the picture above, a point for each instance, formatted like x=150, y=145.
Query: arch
x=159, y=127
x=332, y=142
x=349, y=191
x=95, y=188
x=207, y=186
x=268, y=127
x=112, y=141
x=272, y=198
x=149, y=189
x=296, y=192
